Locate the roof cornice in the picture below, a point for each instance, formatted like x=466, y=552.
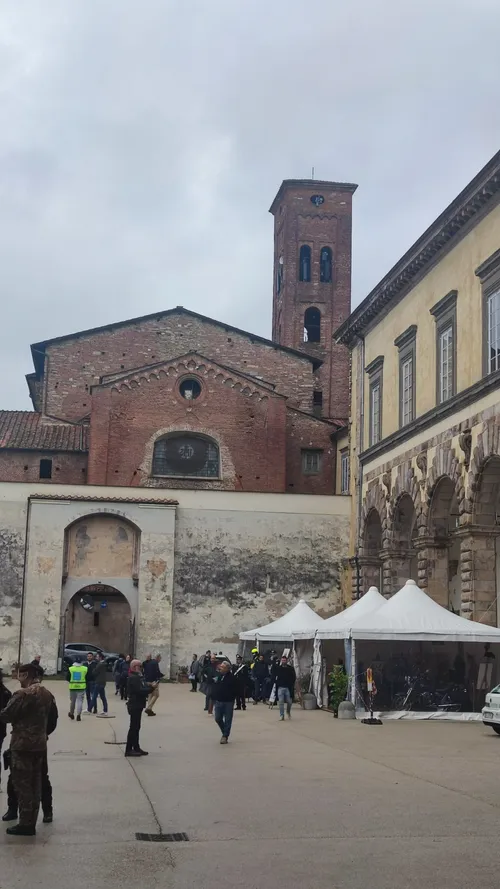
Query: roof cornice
x=480, y=195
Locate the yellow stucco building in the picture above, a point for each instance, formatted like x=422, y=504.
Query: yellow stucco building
x=425, y=426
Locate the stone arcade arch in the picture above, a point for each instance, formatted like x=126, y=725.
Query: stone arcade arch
x=403, y=542
x=486, y=540
x=443, y=549
x=371, y=552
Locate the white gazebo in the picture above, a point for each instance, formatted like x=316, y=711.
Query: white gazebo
x=300, y=618
x=412, y=616
x=308, y=643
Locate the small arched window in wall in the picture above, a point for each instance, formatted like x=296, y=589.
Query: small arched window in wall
x=279, y=275
x=185, y=454
x=325, y=265
x=312, y=325
x=305, y=263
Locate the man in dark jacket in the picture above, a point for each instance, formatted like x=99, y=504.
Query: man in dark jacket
x=124, y=671
x=153, y=675
x=28, y=711
x=284, y=679
x=240, y=673
x=91, y=664
x=100, y=679
x=208, y=675
x=137, y=692
x=224, y=693
x=260, y=673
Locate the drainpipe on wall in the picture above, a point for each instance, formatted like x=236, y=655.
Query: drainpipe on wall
x=25, y=568
x=361, y=447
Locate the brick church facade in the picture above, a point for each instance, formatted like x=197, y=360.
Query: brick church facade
x=178, y=400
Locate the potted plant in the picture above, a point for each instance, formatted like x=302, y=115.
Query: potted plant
x=309, y=701
x=337, y=687
x=182, y=674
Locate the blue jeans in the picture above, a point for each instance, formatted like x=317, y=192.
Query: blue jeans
x=224, y=716
x=99, y=692
x=90, y=689
x=284, y=697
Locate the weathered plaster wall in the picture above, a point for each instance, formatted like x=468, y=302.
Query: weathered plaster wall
x=241, y=563
x=12, y=537
x=240, y=560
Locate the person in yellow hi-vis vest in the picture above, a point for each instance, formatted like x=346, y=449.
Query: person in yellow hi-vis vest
x=77, y=678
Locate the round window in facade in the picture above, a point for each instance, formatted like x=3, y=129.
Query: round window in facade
x=190, y=389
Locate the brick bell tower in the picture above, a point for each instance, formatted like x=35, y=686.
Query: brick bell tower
x=312, y=281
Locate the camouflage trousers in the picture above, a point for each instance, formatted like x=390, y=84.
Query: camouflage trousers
x=26, y=774
x=12, y=804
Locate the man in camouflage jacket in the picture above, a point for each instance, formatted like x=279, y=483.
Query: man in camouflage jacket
x=28, y=711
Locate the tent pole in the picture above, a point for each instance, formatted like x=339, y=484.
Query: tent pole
x=353, y=671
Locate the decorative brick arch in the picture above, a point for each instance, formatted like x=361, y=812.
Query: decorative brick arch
x=445, y=464
x=374, y=499
x=488, y=445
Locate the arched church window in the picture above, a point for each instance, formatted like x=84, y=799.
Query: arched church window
x=312, y=325
x=305, y=263
x=185, y=454
x=325, y=265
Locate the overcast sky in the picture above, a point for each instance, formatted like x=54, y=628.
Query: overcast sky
x=142, y=142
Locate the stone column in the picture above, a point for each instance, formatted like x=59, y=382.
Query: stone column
x=396, y=570
x=478, y=573
x=433, y=568
x=370, y=572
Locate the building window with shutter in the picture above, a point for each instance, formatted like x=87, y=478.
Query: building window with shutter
x=375, y=372
x=445, y=314
x=344, y=471
x=406, y=344
x=311, y=461
x=489, y=275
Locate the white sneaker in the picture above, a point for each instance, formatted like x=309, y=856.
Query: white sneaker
x=289, y=715
x=282, y=718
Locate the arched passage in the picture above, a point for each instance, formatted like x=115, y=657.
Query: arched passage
x=404, y=535
x=99, y=615
x=371, y=574
x=485, y=550
x=443, y=552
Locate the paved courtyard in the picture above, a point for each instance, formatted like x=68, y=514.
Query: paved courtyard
x=311, y=803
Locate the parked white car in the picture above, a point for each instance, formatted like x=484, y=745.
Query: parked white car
x=491, y=709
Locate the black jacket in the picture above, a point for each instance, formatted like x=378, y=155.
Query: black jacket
x=285, y=677
x=240, y=673
x=260, y=670
x=137, y=692
x=151, y=670
x=91, y=665
x=224, y=688
x=53, y=717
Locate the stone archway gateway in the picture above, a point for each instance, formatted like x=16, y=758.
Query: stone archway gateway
x=403, y=553
x=99, y=615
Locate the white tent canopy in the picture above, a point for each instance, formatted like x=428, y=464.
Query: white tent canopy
x=301, y=617
x=335, y=627
x=412, y=615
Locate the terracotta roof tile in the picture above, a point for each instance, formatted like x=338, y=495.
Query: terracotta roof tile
x=29, y=431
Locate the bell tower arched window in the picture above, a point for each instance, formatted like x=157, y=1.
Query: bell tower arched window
x=312, y=325
x=186, y=454
x=325, y=265
x=305, y=263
